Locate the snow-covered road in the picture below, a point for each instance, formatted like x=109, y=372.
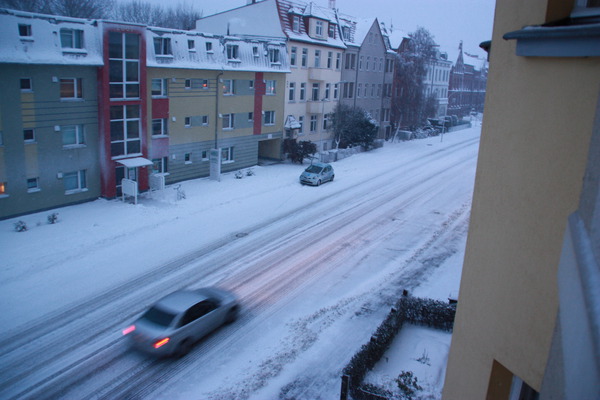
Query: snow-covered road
x=316, y=270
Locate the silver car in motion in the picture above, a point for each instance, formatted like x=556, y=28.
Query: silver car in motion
x=317, y=173
x=177, y=321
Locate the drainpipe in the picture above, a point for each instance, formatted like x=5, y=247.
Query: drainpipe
x=217, y=110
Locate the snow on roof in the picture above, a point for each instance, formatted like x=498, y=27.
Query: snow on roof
x=363, y=26
x=30, y=38
x=316, y=11
x=36, y=39
x=310, y=10
x=396, y=36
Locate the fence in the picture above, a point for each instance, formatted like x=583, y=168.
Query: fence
x=428, y=312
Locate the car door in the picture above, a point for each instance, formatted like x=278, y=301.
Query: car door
x=206, y=318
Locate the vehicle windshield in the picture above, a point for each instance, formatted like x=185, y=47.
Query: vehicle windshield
x=159, y=317
x=313, y=169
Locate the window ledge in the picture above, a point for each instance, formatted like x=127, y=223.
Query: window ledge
x=74, y=146
x=159, y=136
x=75, y=191
x=74, y=51
x=228, y=162
x=562, y=39
x=34, y=190
x=4, y=196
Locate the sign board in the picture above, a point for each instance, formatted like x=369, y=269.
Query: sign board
x=215, y=164
x=129, y=187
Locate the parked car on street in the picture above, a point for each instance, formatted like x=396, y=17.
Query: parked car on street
x=317, y=173
x=177, y=321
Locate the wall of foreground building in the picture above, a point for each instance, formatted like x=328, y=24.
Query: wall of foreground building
x=540, y=113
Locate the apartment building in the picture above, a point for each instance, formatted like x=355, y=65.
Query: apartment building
x=367, y=72
x=89, y=104
x=315, y=49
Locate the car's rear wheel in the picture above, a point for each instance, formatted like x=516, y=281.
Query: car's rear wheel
x=332, y=176
x=183, y=348
x=319, y=182
x=232, y=315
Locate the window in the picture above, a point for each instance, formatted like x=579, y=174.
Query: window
x=25, y=30
x=72, y=135
x=251, y=84
x=74, y=181
x=296, y=23
x=188, y=84
x=271, y=86
x=162, y=46
x=187, y=158
x=1, y=139
x=208, y=47
x=2, y=188
x=70, y=88
x=386, y=114
x=332, y=31
x=28, y=135
x=228, y=87
x=227, y=155
x=160, y=127
x=326, y=121
x=319, y=28
x=367, y=64
x=292, y=92
x=351, y=61
x=346, y=32
x=315, y=92
x=159, y=87
x=360, y=62
x=196, y=84
x=313, y=123
x=228, y=121
x=188, y=122
x=338, y=60
x=317, y=58
x=33, y=185
x=379, y=90
x=301, y=122
x=274, y=56
x=336, y=87
x=191, y=45
x=359, y=90
x=389, y=65
x=329, y=59
x=125, y=132
x=255, y=51
x=250, y=116
x=373, y=90
x=304, y=57
x=327, y=88
x=349, y=90
x=26, y=85
x=302, y=91
x=232, y=52
x=71, y=38
x=293, y=55
x=366, y=90
x=269, y=118
x=205, y=155
x=124, y=61
x=160, y=165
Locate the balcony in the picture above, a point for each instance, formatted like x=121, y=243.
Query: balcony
x=317, y=74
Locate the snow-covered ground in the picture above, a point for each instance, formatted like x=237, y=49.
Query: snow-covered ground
x=316, y=269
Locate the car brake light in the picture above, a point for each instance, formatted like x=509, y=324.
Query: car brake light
x=161, y=343
x=128, y=330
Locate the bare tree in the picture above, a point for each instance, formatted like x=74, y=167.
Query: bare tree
x=38, y=6
x=138, y=11
x=69, y=8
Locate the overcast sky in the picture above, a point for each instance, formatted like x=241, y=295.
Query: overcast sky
x=449, y=21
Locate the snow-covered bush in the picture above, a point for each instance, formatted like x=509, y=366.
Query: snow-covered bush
x=249, y=172
x=20, y=226
x=53, y=218
x=408, y=384
x=238, y=174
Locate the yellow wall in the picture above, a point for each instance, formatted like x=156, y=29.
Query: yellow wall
x=537, y=126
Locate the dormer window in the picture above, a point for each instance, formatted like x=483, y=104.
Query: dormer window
x=71, y=38
x=346, y=32
x=209, y=47
x=319, y=28
x=296, y=23
x=274, y=56
x=25, y=30
x=232, y=52
x=331, y=32
x=162, y=46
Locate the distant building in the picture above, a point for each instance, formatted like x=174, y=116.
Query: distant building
x=436, y=81
x=89, y=103
x=466, y=92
